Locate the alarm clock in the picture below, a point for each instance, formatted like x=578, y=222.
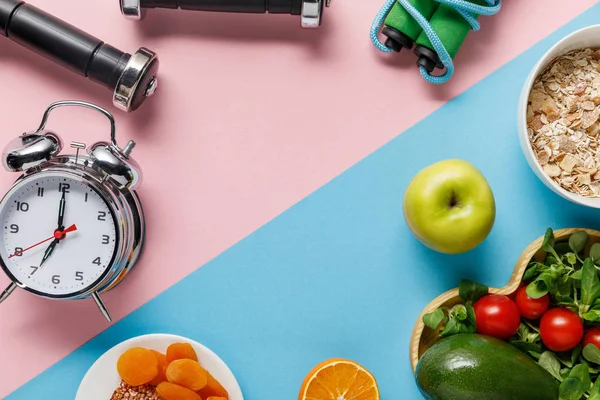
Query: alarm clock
x=73, y=225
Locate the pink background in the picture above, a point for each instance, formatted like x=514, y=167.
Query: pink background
x=253, y=113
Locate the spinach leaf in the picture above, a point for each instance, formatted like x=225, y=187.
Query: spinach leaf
x=470, y=291
x=595, y=253
x=452, y=328
x=569, y=359
x=526, y=347
x=576, y=275
x=595, y=391
x=530, y=273
x=562, y=248
x=564, y=300
x=576, y=384
x=571, y=258
x=471, y=315
x=549, y=361
x=459, y=312
x=577, y=241
x=434, y=319
x=590, y=285
x=548, y=243
x=592, y=316
x=575, y=354
x=591, y=353
x=544, y=283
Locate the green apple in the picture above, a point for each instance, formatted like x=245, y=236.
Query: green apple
x=449, y=206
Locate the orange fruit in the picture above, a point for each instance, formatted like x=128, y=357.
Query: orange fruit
x=137, y=366
x=339, y=379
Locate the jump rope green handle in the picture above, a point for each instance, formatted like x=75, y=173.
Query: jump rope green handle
x=439, y=27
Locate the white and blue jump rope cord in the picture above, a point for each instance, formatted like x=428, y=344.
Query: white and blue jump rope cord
x=469, y=12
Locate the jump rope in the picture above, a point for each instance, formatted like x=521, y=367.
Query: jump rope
x=437, y=27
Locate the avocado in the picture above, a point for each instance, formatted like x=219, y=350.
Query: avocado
x=477, y=367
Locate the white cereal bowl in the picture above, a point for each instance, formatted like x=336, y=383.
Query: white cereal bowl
x=102, y=378
x=587, y=37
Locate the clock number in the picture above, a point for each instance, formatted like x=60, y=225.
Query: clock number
x=22, y=206
x=18, y=251
x=56, y=279
x=78, y=276
x=64, y=187
x=101, y=216
x=86, y=196
x=14, y=228
x=40, y=192
x=96, y=261
x=105, y=239
x=34, y=268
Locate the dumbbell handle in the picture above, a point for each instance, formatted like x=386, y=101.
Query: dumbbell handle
x=73, y=48
x=310, y=11
x=243, y=6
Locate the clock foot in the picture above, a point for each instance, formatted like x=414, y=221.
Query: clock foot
x=101, y=306
x=8, y=291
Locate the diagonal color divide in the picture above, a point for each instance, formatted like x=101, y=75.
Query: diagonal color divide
x=339, y=274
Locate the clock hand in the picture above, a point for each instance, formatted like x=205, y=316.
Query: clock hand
x=49, y=251
x=61, y=211
x=58, y=234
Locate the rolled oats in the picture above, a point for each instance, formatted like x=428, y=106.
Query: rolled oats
x=563, y=116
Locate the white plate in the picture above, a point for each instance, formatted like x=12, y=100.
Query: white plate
x=102, y=378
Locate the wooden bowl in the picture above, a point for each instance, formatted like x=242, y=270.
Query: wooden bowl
x=423, y=337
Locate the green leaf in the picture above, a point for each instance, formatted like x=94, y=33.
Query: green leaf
x=434, y=319
x=550, y=362
x=577, y=241
x=530, y=273
x=459, y=312
x=550, y=260
x=575, y=354
x=576, y=275
x=571, y=258
x=591, y=353
x=523, y=331
x=452, y=328
x=526, y=347
x=592, y=316
x=470, y=291
x=595, y=390
x=564, y=300
x=548, y=243
x=562, y=248
x=590, y=285
x=576, y=384
x=570, y=358
x=595, y=253
x=471, y=316
x=537, y=289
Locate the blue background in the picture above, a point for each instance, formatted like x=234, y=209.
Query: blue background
x=339, y=274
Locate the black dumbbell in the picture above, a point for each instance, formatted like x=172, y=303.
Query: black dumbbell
x=310, y=11
x=131, y=78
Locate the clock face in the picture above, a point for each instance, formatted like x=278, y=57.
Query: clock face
x=49, y=256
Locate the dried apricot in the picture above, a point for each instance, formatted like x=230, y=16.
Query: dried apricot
x=137, y=366
x=177, y=351
x=216, y=398
x=171, y=391
x=187, y=373
x=213, y=389
x=162, y=368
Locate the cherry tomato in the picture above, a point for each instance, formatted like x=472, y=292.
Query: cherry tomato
x=497, y=316
x=561, y=329
x=531, y=308
x=592, y=336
